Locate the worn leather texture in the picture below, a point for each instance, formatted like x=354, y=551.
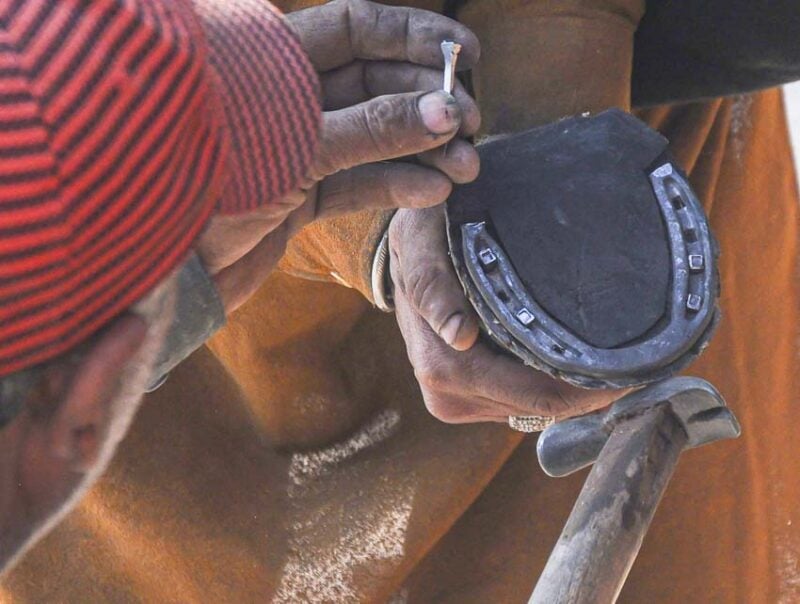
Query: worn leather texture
x=297, y=463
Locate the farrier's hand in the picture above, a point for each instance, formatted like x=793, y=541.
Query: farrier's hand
x=375, y=62
x=462, y=379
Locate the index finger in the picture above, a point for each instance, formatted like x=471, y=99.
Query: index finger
x=342, y=31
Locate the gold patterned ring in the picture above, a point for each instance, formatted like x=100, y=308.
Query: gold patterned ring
x=530, y=423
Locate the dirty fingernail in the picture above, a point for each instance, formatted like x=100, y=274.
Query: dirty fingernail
x=440, y=112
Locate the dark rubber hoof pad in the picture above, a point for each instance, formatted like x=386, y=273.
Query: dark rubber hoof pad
x=586, y=253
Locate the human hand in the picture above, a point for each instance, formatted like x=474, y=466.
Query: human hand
x=373, y=62
x=463, y=380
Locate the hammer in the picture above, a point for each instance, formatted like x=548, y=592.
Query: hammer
x=634, y=446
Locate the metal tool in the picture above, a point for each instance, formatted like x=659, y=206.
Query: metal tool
x=450, y=51
x=634, y=446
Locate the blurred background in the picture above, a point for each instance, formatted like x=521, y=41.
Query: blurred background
x=792, y=95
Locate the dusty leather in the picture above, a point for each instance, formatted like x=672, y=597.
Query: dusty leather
x=297, y=464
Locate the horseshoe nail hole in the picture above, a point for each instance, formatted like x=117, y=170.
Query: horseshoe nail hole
x=677, y=203
x=690, y=235
x=503, y=295
x=558, y=349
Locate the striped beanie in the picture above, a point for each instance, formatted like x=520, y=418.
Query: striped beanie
x=124, y=124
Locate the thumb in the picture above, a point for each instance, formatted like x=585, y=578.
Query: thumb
x=424, y=277
x=386, y=127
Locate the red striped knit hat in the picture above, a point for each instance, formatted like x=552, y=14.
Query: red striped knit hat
x=123, y=125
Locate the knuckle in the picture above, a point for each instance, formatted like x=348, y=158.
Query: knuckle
x=443, y=409
x=421, y=286
x=336, y=194
x=353, y=9
x=560, y=403
x=364, y=9
x=361, y=18
x=333, y=155
x=546, y=401
x=433, y=377
x=380, y=121
x=555, y=400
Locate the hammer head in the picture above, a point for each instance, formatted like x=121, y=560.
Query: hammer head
x=568, y=446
